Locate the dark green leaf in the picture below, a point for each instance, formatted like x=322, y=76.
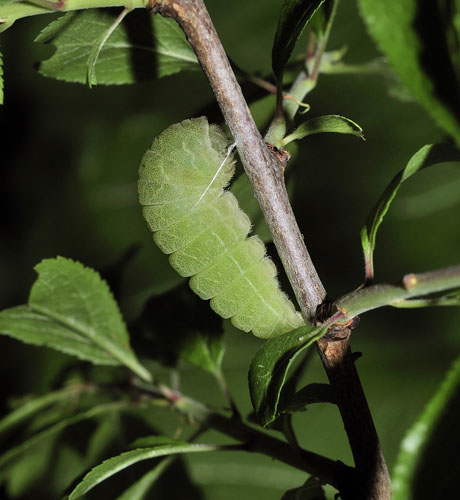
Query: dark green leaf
x=312, y=393
x=142, y=47
x=428, y=155
x=323, y=17
x=140, y=488
x=115, y=464
x=411, y=35
x=204, y=351
x=269, y=369
x=328, y=123
x=428, y=454
x=62, y=424
x=311, y=490
x=294, y=17
x=34, y=406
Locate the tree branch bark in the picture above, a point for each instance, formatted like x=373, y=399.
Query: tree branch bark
x=266, y=176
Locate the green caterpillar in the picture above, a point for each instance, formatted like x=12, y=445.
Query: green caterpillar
x=194, y=219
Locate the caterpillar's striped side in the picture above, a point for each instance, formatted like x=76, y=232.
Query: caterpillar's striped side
x=194, y=219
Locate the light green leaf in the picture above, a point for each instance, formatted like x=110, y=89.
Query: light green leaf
x=428, y=455
x=142, y=47
x=77, y=308
x=328, y=123
x=98, y=45
x=116, y=464
x=412, y=38
x=431, y=154
x=140, y=488
x=13, y=453
x=26, y=325
x=34, y=406
x=269, y=368
x=294, y=17
x=322, y=20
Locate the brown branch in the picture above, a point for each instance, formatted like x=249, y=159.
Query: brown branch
x=266, y=177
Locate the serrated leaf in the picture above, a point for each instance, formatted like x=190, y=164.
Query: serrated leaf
x=116, y=464
x=142, y=47
x=71, y=309
x=32, y=407
x=269, y=368
x=13, y=453
x=311, y=393
x=428, y=455
x=327, y=123
x=294, y=17
x=412, y=38
x=431, y=154
x=140, y=488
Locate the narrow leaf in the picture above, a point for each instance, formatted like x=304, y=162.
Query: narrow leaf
x=76, y=298
x=32, y=407
x=412, y=37
x=269, y=368
x=140, y=488
x=322, y=20
x=142, y=47
x=116, y=464
x=294, y=17
x=431, y=154
x=449, y=299
x=59, y=426
x=99, y=44
x=429, y=452
x=328, y=123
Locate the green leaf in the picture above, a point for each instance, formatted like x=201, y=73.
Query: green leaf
x=428, y=455
x=311, y=490
x=312, y=393
x=328, y=123
x=142, y=47
x=428, y=155
x=322, y=20
x=269, y=368
x=140, y=488
x=116, y=464
x=205, y=351
x=34, y=406
x=411, y=35
x=98, y=46
x=26, y=325
x=71, y=309
x=449, y=299
x=13, y=453
x=294, y=17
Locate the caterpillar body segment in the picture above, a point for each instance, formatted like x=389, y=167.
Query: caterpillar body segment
x=194, y=219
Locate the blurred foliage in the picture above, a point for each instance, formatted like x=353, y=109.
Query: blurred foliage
x=67, y=187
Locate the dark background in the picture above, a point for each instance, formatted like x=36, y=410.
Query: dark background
x=69, y=158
